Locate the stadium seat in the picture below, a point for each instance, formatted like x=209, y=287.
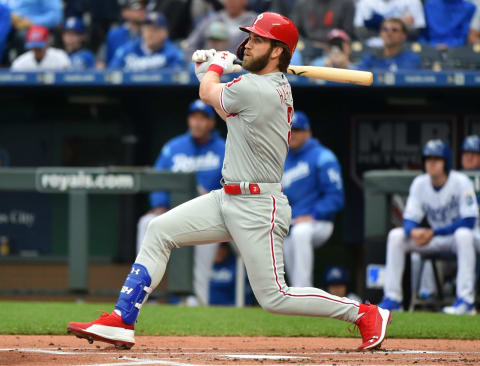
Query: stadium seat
x=463, y=58
x=431, y=58
x=359, y=50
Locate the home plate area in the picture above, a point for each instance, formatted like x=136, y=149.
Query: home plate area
x=189, y=351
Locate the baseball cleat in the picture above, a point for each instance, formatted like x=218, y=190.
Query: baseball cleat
x=461, y=307
x=373, y=326
x=108, y=328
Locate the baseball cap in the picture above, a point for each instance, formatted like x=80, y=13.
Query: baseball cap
x=199, y=106
x=218, y=30
x=156, y=18
x=471, y=143
x=74, y=24
x=300, y=121
x=134, y=4
x=335, y=274
x=338, y=33
x=37, y=37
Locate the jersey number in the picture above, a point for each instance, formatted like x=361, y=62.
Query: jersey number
x=289, y=118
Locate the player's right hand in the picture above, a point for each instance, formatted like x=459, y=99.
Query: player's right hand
x=225, y=60
x=202, y=59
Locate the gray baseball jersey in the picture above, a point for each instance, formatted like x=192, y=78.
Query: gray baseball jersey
x=259, y=110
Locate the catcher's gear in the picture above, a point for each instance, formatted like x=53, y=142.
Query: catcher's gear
x=273, y=26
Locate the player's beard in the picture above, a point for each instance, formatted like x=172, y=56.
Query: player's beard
x=259, y=63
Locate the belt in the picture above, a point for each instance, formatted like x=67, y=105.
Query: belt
x=237, y=189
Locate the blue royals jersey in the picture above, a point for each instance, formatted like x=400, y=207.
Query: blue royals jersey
x=406, y=60
x=82, y=60
x=312, y=181
x=134, y=56
x=117, y=37
x=183, y=154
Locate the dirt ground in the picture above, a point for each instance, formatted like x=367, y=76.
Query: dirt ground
x=188, y=351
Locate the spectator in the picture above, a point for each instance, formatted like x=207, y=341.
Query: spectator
x=336, y=283
x=218, y=36
x=5, y=27
x=393, y=56
x=47, y=13
x=233, y=16
x=199, y=9
x=134, y=13
x=312, y=181
x=153, y=51
x=40, y=56
x=474, y=34
x=73, y=40
x=370, y=14
x=315, y=18
x=200, y=150
x=448, y=22
x=338, y=51
x=103, y=14
x=284, y=7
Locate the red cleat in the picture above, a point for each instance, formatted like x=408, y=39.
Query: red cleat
x=108, y=328
x=373, y=326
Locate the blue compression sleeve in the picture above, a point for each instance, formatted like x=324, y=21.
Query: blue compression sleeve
x=408, y=225
x=467, y=222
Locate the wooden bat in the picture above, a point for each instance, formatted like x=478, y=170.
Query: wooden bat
x=327, y=73
x=333, y=74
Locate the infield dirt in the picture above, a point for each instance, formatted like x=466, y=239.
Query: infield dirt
x=187, y=351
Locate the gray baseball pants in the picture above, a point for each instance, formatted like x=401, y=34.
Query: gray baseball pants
x=258, y=224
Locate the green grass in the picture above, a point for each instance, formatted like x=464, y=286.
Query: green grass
x=52, y=318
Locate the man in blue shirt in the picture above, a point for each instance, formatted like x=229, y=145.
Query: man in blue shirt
x=5, y=27
x=312, y=181
x=134, y=13
x=73, y=37
x=153, y=51
x=393, y=56
x=200, y=150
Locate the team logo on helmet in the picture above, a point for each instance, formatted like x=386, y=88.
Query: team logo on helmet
x=260, y=17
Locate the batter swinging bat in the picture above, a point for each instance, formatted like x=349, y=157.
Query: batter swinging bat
x=328, y=73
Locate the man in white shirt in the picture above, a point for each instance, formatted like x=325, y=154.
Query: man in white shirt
x=369, y=15
x=40, y=56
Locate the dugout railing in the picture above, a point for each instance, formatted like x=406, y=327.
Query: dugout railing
x=80, y=183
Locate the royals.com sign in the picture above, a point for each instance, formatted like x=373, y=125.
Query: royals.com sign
x=63, y=180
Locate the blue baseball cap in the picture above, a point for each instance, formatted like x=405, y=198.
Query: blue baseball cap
x=156, y=18
x=300, y=121
x=471, y=143
x=335, y=274
x=74, y=24
x=199, y=106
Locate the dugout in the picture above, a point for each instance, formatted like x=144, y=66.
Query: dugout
x=100, y=119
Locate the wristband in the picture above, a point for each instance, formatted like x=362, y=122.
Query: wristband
x=216, y=68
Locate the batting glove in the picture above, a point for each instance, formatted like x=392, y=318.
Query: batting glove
x=222, y=63
x=202, y=59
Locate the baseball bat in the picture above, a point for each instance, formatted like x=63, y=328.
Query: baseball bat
x=346, y=76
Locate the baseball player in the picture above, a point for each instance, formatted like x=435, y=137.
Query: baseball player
x=471, y=162
x=73, y=37
x=200, y=150
x=250, y=209
x=312, y=182
x=447, y=199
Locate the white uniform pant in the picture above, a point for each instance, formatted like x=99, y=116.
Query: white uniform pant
x=203, y=259
x=257, y=224
x=427, y=281
x=461, y=243
x=298, y=250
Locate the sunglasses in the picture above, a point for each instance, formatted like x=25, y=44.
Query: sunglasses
x=392, y=29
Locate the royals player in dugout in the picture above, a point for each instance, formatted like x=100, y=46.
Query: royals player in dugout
x=251, y=209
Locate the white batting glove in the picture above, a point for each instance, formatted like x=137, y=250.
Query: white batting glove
x=202, y=59
x=222, y=63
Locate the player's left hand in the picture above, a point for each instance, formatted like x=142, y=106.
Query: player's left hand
x=224, y=59
x=303, y=218
x=202, y=59
x=424, y=238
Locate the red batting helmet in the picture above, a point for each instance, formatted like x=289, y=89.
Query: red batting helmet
x=273, y=26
